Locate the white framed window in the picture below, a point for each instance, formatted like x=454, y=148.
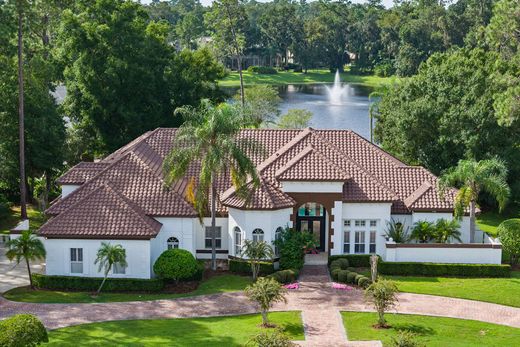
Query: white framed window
x=373, y=223
x=238, y=241
x=118, y=269
x=372, y=244
x=258, y=235
x=277, y=236
x=359, y=223
x=172, y=243
x=218, y=238
x=346, y=223
x=346, y=241
x=359, y=242
x=76, y=260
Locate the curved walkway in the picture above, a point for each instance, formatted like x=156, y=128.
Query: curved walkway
x=319, y=303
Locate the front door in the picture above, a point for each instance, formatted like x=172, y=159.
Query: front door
x=315, y=226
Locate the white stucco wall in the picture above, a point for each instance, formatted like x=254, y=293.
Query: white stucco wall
x=58, y=257
x=181, y=228
x=312, y=187
x=248, y=221
x=66, y=189
x=200, y=233
x=445, y=255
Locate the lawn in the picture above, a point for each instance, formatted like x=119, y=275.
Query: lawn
x=489, y=221
x=313, y=76
x=36, y=219
x=214, y=331
x=431, y=331
x=503, y=291
x=214, y=285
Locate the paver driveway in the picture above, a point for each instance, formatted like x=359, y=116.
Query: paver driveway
x=13, y=275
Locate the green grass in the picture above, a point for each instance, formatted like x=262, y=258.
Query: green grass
x=214, y=285
x=431, y=331
x=504, y=291
x=214, y=331
x=36, y=219
x=312, y=76
x=489, y=221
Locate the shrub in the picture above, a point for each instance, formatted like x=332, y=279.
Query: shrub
x=364, y=282
x=342, y=263
x=384, y=69
x=285, y=276
x=334, y=273
x=441, y=269
x=264, y=70
x=271, y=339
x=405, y=338
x=423, y=231
x=382, y=294
x=355, y=260
x=342, y=276
x=176, y=265
x=22, y=330
x=351, y=277
x=92, y=283
x=244, y=267
x=397, y=231
x=356, y=279
x=509, y=234
x=291, y=245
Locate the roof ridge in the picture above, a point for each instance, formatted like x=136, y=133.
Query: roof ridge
x=376, y=149
x=294, y=160
x=132, y=144
x=295, y=140
x=416, y=194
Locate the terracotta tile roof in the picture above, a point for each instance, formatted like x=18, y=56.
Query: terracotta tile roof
x=265, y=197
x=369, y=174
x=103, y=213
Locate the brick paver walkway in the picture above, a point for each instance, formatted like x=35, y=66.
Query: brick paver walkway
x=319, y=303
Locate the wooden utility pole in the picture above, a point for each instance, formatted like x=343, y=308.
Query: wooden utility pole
x=21, y=116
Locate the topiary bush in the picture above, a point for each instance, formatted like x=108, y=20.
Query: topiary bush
x=285, y=276
x=176, y=265
x=334, y=273
x=357, y=278
x=351, y=277
x=342, y=263
x=509, y=235
x=342, y=276
x=364, y=282
x=22, y=330
x=355, y=260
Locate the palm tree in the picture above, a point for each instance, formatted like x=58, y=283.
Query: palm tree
x=423, y=231
x=265, y=292
x=473, y=177
x=107, y=256
x=21, y=115
x=27, y=247
x=208, y=138
x=445, y=230
x=256, y=251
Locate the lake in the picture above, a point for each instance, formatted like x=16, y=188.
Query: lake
x=350, y=112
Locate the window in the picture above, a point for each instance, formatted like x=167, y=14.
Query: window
x=373, y=223
x=218, y=238
x=119, y=269
x=76, y=260
x=311, y=209
x=258, y=235
x=359, y=242
x=238, y=241
x=277, y=236
x=372, y=246
x=172, y=243
x=346, y=241
x=359, y=223
x=346, y=222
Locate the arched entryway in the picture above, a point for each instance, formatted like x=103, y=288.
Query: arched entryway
x=311, y=218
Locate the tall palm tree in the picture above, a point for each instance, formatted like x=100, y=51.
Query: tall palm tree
x=108, y=255
x=20, y=4
x=473, y=177
x=255, y=252
x=27, y=247
x=208, y=138
x=445, y=230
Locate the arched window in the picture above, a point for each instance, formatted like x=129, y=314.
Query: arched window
x=311, y=209
x=172, y=243
x=277, y=236
x=258, y=235
x=238, y=241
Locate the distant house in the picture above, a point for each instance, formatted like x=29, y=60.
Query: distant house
x=331, y=183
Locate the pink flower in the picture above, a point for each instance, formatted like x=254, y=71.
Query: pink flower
x=340, y=286
x=294, y=285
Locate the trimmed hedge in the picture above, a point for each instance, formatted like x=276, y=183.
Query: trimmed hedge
x=342, y=276
x=364, y=282
x=440, y=269
x=285, y=276
x=22, y=330
x=243, y=266
x=351, y=277
x=265, y=70
x=92, y=283
x=355, y=260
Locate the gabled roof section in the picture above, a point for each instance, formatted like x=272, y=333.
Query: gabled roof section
x=104, y=214
x=81, y=173
x=419, y=192
x=265, y=197
x=311, y=165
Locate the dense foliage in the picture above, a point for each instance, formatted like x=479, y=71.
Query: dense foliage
x=244, y=267
x=285, y=276
x=383, y=296
x=265, y=292
x=292, y=245
x=443, y=269
x=176, y=265
x=509, y=235
x=22, y=330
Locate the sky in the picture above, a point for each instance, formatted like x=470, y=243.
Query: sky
x=387, y=3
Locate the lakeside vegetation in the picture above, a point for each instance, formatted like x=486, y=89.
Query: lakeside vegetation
x=312, y=76
x=213, y=285
x=36, y=219
x=430, y=331
x=212, y=331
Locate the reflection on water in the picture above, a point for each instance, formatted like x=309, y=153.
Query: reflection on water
x=350, y=112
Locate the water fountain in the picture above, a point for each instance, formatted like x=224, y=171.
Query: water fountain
x=337, y=90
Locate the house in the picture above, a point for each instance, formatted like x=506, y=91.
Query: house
x=331, y=183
